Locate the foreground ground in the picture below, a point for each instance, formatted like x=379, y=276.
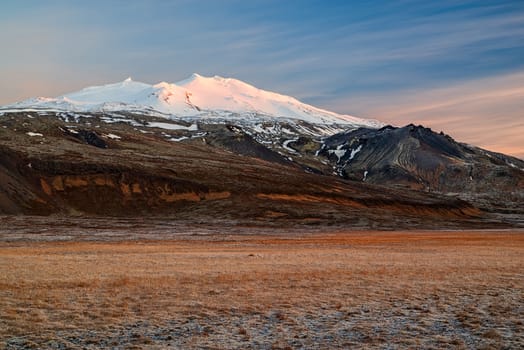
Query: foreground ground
x=272, y=290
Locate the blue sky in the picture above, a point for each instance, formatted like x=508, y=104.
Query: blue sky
x=397, y=61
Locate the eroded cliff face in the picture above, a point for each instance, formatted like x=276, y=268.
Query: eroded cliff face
x=99, y=193
x=35, y=186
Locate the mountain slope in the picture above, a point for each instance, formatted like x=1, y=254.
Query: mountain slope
x=418, y=158
x=212, y=147
x=88, y=167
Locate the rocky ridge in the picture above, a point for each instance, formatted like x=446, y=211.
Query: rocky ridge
x=129, y=165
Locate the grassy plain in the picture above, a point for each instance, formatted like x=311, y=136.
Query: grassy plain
x=462, y=290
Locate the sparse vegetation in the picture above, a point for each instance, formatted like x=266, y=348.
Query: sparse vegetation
x=361, y=289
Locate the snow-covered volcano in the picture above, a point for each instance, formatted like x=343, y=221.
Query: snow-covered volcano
x=197, y=97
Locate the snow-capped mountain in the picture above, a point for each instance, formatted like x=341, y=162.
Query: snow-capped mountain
x=197, y=97
x=130, y=148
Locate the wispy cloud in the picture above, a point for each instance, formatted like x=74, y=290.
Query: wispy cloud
x=402, y=61
x=485, y=112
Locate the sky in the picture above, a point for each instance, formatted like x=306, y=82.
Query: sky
x=454, y=66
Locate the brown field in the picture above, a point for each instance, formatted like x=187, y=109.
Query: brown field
x=395, y=290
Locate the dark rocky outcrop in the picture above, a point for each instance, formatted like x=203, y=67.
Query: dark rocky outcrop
x=418, y=158
x=86, y=136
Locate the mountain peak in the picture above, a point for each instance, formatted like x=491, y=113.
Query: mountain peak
x=195, y=97
x=191, y=78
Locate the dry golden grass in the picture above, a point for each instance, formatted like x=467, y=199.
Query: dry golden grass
x=357, y=289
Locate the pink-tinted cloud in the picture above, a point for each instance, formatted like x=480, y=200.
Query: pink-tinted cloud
x=488, y=112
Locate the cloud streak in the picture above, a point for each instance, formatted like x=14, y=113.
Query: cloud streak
x=485, y=112
x=352, y=57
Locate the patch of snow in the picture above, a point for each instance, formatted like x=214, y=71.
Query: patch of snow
x=260, y=128
x=111, y=119
x=236, y=129
x=338, y=152
x=170, y=126
x=286, y=145
x=178, y=139
x=112, y=136
x=355, y=151
x=72, y=117
x=69, y=130
x=32, y=134
x=288, y=131
x=320, y=149
x=514, y=166
x=365, y=175
x=26, y=108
